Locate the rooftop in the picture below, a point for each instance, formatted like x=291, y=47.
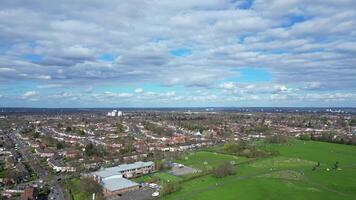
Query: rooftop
x=111, y=171
x=118, y=183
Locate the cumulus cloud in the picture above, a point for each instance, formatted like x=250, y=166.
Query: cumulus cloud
x=228, y=85
x=30, y=95
x=307, y=46
x=49, y=86
x=4, y=69
x=236, y=88
x=138, y=90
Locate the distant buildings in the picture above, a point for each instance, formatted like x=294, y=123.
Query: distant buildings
x=114, y=180
x=353, y=131
x=115, y=113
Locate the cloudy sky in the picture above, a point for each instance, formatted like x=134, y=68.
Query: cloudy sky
x=152, y=53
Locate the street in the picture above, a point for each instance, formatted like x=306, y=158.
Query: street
x=42, y=172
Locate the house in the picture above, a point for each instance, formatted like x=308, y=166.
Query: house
x=57, y=166
x=70, y=154
x=114, y=180
x=43, y=153
x=353, y=131
x=30, y=193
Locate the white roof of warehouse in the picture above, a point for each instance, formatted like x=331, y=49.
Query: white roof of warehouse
x=118, y=183
x=111, y=171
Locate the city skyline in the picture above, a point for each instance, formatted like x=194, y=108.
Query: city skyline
x=178, y=54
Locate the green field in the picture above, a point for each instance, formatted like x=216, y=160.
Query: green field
x=288, y=176
x=207, y=160
x=73, y=185
x=76, y=189
x=161, y=177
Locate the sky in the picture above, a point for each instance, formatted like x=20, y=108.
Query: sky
x=186, y=53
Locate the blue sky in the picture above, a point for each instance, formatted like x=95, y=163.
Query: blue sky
x=184, y=53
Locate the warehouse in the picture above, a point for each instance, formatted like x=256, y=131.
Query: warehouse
x=114, y=179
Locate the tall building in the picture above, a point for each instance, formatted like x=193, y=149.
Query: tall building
x=115, y=113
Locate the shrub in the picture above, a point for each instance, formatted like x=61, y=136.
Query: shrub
x=224, y=170
x=305, y=137
x=277, y=139
x=169, y=188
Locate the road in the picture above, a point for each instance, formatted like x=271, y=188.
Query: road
x=42, y=172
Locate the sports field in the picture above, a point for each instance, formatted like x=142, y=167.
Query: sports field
x=208, y=160
x=288, y=176
x=159, y=177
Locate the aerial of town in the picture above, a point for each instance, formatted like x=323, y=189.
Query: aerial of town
x=178, y=100
x=158, y=154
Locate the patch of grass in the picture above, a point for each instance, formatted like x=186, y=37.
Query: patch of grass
x=208, y=160
x=160, y=177
x=288, y=176
x=73, y=186
x=283, y=162
x=284, y=174
x=322, y=152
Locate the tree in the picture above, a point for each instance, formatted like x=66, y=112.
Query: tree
x=59, y=145
x=305, y=137
x=90, y=186
x=353, y=122
x=336, y=165
x=224, y=170
x=81, y=132
x=233, y=148
x=277, y=139
x=59, y=125
x=158, y=165
x=169, y=188
x=45, y=190
x=89, y=149
x=120, y=128
x=36, y=134
x=92, y=150
x=69, y=129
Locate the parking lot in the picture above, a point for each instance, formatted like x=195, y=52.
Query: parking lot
x=182, y=170
x=144, y=193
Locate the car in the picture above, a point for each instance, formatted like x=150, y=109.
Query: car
x=155, y=194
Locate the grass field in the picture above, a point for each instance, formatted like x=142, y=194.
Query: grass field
x=162, y=177
x=207, y=160
x=74, y=186
x=288, y=176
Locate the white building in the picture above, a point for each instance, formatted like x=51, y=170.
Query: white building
x=115, y=113
x=114, y=179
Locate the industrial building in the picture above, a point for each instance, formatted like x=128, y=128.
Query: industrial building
x=114, y=179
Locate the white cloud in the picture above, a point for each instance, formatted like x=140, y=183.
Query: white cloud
x=45, y=77
x=228, y=85
x=307, y=46
x=31, y=95
x=48, y=86
x=4, y=69
x=138, y=90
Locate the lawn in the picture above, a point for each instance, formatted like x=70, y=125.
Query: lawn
x=74, y=187
x=322, y=152
x=208, y=160
x=288, y=176
x=162, y=177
